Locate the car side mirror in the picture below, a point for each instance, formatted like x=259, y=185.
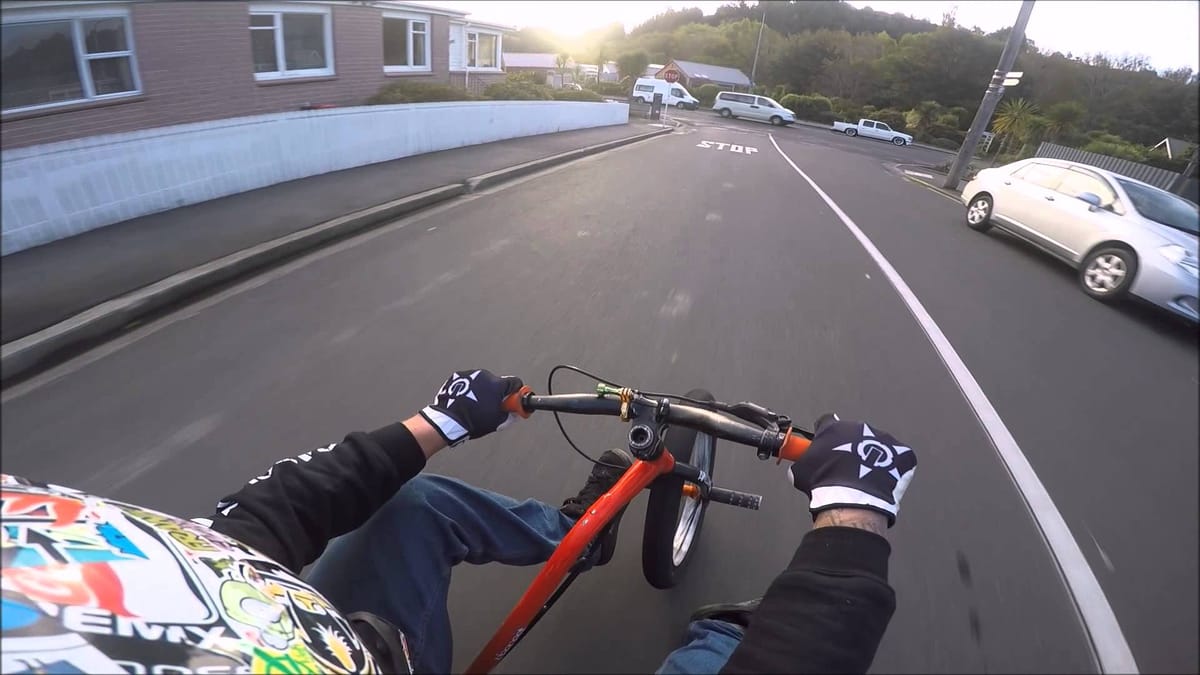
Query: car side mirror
x=1092, y=199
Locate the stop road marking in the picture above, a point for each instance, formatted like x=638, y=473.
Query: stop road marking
x=732, y=147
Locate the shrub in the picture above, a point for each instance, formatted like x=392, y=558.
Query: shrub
x=611, y=88
x=790, y=101
x=418, y=92
x=825, y=117
x=573, y=95
x=516, y=90
x=707, y=93
x=945, y=143
x=779, y=92
x=811, y=107
x=947, y=132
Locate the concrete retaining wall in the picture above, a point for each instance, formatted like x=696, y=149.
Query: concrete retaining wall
x=62, y=189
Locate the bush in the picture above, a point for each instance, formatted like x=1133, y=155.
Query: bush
x=516, y=90
x=573, y=95
x=612, y=89
x=810, y=107
x=825, y=117
x=790, y=101
x=707, y=93
x=947, y=132
x=418, y=92
x=945, y=143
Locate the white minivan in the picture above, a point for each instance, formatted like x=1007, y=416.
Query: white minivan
x=673, y=94
x=762, y=108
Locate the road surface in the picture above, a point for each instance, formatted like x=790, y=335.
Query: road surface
x=677, y=263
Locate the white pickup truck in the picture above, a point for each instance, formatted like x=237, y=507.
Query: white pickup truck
x=872, y=129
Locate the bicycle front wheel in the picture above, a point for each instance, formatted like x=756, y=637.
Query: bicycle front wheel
x=673, y=515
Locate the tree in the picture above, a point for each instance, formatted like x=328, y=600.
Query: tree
x=561, y=62
x=632, y=64
x=922, y=117
x=1063, y=118
x=1013, y=120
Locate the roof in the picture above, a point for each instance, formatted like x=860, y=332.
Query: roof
x=418, y=6
x=1175, y=147
x=530, y=60
x=717, y=74
x=652, y=69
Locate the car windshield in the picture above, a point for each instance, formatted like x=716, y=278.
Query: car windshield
x=1163, y=207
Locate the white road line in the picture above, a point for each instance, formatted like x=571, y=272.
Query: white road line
x=918, y=173
x=1109, y=647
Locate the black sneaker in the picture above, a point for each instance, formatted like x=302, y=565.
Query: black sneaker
x=733, y=612
x=599, y=481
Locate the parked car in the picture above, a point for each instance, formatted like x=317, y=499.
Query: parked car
x=673, y=94
x=749, y=106
x=873, y=129
x=1123, y=235
x=572, y=86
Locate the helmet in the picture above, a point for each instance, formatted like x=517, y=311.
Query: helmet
x=96, y=585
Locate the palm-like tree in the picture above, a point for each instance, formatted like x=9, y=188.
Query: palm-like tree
x=1013, y=120
x=1063, y=118
x=920, y=118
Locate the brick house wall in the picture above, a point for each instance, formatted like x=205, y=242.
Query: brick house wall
x=195, y=63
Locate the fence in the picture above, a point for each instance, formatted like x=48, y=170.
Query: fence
x=1160, y=178
x=61, y=189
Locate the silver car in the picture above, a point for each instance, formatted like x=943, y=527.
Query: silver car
x=1123, y=235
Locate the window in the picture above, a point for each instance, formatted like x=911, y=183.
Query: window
x=291, y=41
x=644, y=87
x=677, y=92
x=1075, y=183
x=405, y=43
x=483, y=50
x=882, y=127
x=868, y=124
x=1040, y=174
x=1162, y=207
x=55, y=60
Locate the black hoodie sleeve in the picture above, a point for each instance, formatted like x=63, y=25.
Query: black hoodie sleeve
x=292, y=511
x=826, y=613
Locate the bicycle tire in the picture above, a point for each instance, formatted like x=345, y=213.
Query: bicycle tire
x=663, y=564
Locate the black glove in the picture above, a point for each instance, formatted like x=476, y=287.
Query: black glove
x=851, y=464
x=468, y=405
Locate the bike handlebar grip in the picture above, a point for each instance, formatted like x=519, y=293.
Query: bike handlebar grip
x=513, y=402
x=734, y=498
x=794, y=447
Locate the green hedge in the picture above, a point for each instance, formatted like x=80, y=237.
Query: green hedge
x=418, y=92
x=573, y=95
x=945, y=143
x=810, y=107
x=609, y=88
x=707, y=94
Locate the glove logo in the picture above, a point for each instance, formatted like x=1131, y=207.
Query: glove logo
x=875, y=454
x=458, y=386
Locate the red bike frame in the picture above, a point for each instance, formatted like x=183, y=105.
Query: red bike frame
x=636, y=478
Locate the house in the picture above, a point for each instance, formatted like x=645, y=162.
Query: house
x=1175, y=148
x=75, y=69
x=692, y=75
x=592, y=72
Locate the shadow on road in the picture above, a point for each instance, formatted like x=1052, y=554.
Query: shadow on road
x=1152, y=317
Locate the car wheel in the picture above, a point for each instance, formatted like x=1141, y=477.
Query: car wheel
x=979, y=213
x=897, y=141
x=852, y=132
x=776, y=120
x=1107, y=273
x=726, y=113
x=679, y=105
x=641, y=100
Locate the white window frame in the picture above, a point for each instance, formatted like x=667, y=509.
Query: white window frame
x=278, y=11
x=472, y=38
x=77, y=15
x=427, y=19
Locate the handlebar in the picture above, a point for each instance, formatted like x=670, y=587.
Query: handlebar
x=784, y=444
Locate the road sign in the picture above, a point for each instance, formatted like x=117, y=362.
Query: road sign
x=671, y=76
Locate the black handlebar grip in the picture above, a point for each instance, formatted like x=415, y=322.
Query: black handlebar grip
x=734, y=498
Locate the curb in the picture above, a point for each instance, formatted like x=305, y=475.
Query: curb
x=27, y=353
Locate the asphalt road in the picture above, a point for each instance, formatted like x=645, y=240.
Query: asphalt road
x=671, y=265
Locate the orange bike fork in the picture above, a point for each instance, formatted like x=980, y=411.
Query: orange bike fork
x=635, y=479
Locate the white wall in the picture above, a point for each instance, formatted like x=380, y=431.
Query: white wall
x=58, y=190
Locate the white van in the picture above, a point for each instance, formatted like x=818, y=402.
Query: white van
x=672, y=94
x=762, y=108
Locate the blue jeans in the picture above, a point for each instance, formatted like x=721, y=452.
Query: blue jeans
x=397, y=566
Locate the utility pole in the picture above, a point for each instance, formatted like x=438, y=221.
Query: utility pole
x=991, y=97
x=754, y=68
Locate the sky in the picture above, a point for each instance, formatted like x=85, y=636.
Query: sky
x=1165, y=31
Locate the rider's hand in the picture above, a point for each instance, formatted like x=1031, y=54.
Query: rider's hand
x=851, y=464
x=468, y=405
